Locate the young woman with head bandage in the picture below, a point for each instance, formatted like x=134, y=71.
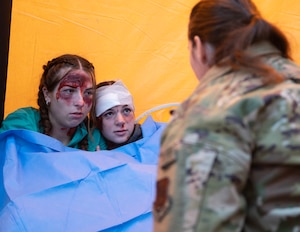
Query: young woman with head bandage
x=117, y=124
x=115, y=114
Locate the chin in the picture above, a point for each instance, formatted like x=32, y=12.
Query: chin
x=73, y=125
x=119, y=141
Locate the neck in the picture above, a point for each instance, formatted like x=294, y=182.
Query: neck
x=63, y=135
x=136, y=135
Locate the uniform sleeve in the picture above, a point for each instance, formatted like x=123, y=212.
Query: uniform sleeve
x=24, y=118
x=202, y=172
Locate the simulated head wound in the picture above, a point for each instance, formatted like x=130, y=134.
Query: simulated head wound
x=112, y=95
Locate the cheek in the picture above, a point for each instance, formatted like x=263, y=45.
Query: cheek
x=106, y=126
x=88, y=100
x=193, y=60
x=131, y=123
x=64, y=97
x=129, y=118
x=199, y=68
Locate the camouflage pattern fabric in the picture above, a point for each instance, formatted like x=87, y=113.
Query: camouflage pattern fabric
x=230, y=158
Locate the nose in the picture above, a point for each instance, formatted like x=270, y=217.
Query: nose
x=79, y=101
x=119, y=119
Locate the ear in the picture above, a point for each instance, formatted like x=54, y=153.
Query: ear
x=45, y=92
x=200, y=49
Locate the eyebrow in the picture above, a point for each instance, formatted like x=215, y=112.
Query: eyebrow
x=122, y=106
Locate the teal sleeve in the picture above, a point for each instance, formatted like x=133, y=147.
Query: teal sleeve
x=23, y=118
x=96, y=140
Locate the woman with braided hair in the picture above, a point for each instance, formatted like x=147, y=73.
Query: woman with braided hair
x=65, y=98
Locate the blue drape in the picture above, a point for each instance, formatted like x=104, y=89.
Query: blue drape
x=46, y=186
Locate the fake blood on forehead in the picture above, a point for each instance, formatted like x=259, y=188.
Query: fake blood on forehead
x=74, y=80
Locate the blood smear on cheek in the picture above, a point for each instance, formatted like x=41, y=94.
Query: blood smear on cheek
x=88, y=100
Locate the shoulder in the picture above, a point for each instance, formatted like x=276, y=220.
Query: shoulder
x=24, y=111
x=28, y=113
x=286, y=67
x=263, y=107
x=23, y=118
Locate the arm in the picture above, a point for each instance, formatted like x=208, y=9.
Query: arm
x=24, y=118
x=204, y=168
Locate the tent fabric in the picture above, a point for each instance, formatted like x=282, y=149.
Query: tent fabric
x=46, y=186
x=139, y=42
x=143, y=43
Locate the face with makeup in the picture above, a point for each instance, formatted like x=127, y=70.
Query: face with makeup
x=117, y=123
x=70, y=101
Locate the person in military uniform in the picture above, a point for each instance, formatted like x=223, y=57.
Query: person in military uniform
x=230, y=158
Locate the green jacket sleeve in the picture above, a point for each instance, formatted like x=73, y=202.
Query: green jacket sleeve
x=23, y=118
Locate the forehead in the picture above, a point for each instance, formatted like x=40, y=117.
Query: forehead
x=77, y=76
x=118, y=107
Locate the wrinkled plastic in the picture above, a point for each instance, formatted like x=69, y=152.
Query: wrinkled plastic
x=46, y=186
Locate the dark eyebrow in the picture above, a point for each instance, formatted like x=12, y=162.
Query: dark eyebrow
x=69, y=86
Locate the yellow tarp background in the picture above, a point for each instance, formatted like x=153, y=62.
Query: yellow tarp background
x=144, y=43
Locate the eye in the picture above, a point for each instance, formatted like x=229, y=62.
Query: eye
x=127, y=111
x=89, y=92
x=108, y=114
x=67, y=90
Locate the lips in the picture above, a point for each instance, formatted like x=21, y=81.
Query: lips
x=121, y=132
x=77, y=115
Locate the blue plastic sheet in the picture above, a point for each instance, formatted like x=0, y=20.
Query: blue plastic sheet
x=146, y=150
x=46, y=186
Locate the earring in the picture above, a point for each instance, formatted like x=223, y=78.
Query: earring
x=47, y=101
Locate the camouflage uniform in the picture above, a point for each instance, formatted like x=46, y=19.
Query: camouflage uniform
x=230, y=158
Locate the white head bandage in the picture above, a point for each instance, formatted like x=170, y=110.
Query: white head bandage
x=109, y=96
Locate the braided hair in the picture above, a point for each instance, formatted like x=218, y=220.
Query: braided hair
x=54, y=71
